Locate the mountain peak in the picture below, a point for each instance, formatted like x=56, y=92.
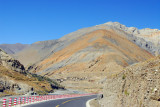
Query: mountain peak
x=131, y=30
x=112, y=23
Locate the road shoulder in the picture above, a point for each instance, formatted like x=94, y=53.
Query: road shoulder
x=93, y=103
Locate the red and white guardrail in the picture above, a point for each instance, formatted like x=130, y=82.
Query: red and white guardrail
x=33, y=99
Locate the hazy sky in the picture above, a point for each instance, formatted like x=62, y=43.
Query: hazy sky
x=28, y=21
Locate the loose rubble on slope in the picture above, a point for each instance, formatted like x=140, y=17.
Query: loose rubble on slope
x=10, y=63
x=137, y=85
x=14, y=80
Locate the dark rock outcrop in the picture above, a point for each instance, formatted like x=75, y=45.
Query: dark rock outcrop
x=10, y=63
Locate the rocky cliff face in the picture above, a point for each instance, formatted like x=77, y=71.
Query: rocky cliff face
x=10, y=63
x=136, y=86
x=148, y=39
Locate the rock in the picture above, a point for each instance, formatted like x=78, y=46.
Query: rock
x=137, y=85
x=10, y=63
x=12, y=86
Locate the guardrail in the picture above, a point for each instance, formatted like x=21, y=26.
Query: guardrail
x=34, y=99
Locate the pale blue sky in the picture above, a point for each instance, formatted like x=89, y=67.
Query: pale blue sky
x=28, y=21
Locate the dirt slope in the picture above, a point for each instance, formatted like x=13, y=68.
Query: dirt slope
x=15, y=80
x=147, y=39
x=85, y=62
x=136, y=86
x=84, y=58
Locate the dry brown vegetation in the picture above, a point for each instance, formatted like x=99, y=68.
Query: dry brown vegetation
x=40, y=86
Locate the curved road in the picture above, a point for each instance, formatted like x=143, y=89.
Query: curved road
x=67, y=102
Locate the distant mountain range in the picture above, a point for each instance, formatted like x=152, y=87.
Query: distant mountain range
x=13, y=48
x=84, y=58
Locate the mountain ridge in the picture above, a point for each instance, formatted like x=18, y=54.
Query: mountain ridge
x=66, y=40
x=92, y=52
x=81, y=59
x=13, y=48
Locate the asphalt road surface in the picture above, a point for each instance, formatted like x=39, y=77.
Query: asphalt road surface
x=68, y=102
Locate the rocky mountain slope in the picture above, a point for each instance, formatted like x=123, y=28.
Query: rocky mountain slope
x=85, y=62
x=147, y=39
x=14, y=80
x=82, y=59
x=137, y=85
x=36, y=52
x=13, y=48
x=10, y=63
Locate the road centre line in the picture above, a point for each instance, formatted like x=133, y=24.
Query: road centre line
x=68, y=101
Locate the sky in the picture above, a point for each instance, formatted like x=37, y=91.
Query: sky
x=29, y=21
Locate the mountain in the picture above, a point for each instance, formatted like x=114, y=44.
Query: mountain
x=10, y=63
x=36, y=52
x=147, y=39
x=13, y=48
x=137, y=85
x=14, y=80
x=83, y=59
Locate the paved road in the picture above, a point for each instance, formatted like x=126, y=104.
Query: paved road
x=69, y=102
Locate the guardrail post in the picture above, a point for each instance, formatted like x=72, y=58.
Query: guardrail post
x=23, y=100
x=4, y=102
x=40, y=98
x=10, y=102
x=26, y=100
x=30, y=99
x=19, y=101
x=15, y=101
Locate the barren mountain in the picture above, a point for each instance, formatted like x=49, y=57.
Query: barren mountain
x=13, y=48
x=83, y=58
x=85, y=62
x=35, y=52
x=147, y=39
x=137, y=85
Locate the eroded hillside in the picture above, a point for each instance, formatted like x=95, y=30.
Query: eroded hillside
x=136, y=86
x=88, y=60
x=15, y=83
x=14, y=80
x=84, y=58
x=147, y=39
